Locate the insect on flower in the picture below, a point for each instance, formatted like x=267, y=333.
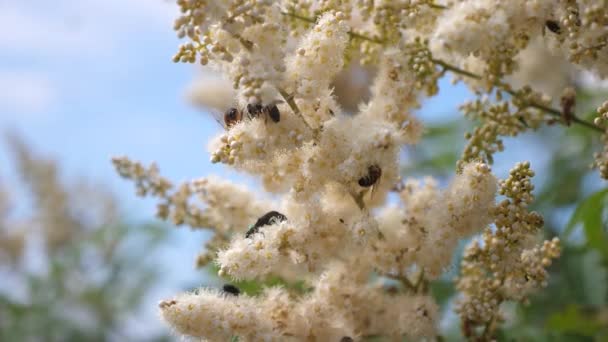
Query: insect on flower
x=268, y=218
x=167, y=303
x=374, y=172
x=553, y=26
x=231, y=289
x=233, y=115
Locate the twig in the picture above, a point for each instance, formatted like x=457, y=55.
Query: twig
x=457, y=70
x=351, y=33
x=403, y=280
x=538, y=106
x=488, y=330
x=293, y=105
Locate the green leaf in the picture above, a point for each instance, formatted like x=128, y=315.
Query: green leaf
x=442, y=291
x=573, y=320
x=594, y=279
x=589, y=214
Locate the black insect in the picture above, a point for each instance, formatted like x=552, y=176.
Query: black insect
x=373, y=174
x=232, y=116
x=231, y=289
x=255, y=110
x=272, y=111
x=268, y=218
x=568, y=101
x=346, y=339
x=553, y=26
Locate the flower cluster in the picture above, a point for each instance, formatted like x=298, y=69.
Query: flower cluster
x=332, y=165
x=506, y=263
x=601, y=158
x=340, y=308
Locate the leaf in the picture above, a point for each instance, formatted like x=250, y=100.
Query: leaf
x=594, y=279
x=589, y=215
x=442, y=291
x=573, y=320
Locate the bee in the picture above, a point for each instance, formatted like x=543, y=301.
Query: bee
x=266, y=219
x=553, y=26
x=374, y=172
x=234, y=115
x=231, y=289
x=270, y=110
x=568, y=101
x=167, y=303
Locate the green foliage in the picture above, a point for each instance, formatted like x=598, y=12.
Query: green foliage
x=591, y=215
x=92, y=285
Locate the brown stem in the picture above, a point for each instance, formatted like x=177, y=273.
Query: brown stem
x=548, y=110
x=437, y=6
x=403, y=279
x=488, y=330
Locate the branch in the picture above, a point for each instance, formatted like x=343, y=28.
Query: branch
x=404, y=280
x=463, y=72
x=548, y=110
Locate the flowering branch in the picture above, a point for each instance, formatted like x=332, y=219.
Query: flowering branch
x=507, y=88
x=331, y=172
x=447, y=66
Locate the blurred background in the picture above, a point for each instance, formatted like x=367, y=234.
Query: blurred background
x=82, y=258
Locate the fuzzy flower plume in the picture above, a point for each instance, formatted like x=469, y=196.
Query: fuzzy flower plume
x=342, y=305
x=601, y=157
x=211, y=91
x=394, y=97
x=365, y=267
x=218, y=316
x=460, y=211
x=318, y=59
x=435, y=220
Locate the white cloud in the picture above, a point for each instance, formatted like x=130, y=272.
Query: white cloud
x=24, y=92
x=65, y=27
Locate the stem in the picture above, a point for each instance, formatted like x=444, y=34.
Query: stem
x=437, y=6
x=356, y=35
x=538, y=106
x=420, y=282
x=488, y=330
x=455, y=69
x=300, y=17
x=351, y=33
x=574, y=118
x=404, y=280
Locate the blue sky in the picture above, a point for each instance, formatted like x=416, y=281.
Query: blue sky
x=86, y=80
